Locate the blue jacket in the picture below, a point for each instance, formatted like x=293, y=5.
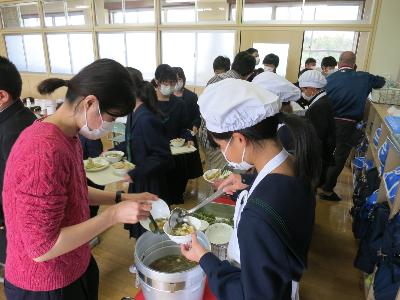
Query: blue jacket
x=348, y=91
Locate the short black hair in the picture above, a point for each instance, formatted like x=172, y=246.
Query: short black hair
x=251, y=51
x=271, y=59
x=329, y=61
x=106, y=79
x=136, y=75
x=164, y=73
x=310, y=60
x=10, y=79
x=244, y=63
x=180, y=73
x=222, y=63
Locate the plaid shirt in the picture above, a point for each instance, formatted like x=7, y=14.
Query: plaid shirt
x=203, y=137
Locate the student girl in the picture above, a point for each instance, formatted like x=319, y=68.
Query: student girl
x=147, y=146
x=174, y=118
x=274, y=214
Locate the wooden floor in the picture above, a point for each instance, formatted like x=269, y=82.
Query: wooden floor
x=330, y=275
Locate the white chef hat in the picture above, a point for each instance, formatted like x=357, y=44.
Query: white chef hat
x=234, y=104
x=312, y=78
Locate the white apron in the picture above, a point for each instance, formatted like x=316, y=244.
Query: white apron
x=233, y=246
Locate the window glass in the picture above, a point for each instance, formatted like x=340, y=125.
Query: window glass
x=319, y=44
x=34, y=53
x=81, y=49
x=197, y=11
x=196, y=51
x=282, y=50
x=26, y=52
x=63, y=13
x=70, y=52
x=125, y=11
x=112, y=45
x=141, y=52
x=209, y=46
x=15, y=51
x=20, y=15
x=310, y=10
x=178, y=50
x=60, y=61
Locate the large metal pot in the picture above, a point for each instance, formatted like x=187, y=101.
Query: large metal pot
x=167, y=286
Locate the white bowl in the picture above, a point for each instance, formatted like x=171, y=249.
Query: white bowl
x=219, y=233
x=182, y=239
x=123, y=172
x=113, y=159
x=204, y=225
x=177, y=142
x=159, y=209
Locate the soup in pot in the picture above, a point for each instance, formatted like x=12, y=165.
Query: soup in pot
x=172, y=264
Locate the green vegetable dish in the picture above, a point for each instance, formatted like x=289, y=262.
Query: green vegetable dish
x=211, y=219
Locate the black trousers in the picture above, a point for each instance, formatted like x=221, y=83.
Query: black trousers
x=3, y=245
x=85, y=288
x=347, y=137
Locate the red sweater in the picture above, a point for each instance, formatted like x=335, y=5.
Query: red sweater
x=44, y=191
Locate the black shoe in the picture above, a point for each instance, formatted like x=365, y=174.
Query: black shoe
x=331, y=197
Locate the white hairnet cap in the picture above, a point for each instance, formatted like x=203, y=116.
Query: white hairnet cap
x=312, y=78
x=234, y=104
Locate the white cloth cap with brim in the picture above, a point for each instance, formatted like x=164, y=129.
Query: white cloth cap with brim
x=312, y=78
x=234, y=104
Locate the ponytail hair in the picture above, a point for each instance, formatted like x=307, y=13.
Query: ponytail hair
x=147, y=94
x=106, y=79
x=48, y=86
x=307, y=148
x=307, y=144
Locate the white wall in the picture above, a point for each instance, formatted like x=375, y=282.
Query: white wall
x=385, y=59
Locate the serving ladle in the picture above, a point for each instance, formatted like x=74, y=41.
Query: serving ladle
x=179, y=214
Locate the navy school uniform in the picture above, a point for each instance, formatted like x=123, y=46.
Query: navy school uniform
x=193, y=119
x=92, y=148
x=147, y=146
x=320, y=114
x=174, y=118
x=268, y=264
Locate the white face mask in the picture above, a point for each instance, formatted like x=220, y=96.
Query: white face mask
x=243, y=165
x=166, y=90
x=179, y=86
x=313, y=67
x=268, y=69
x=308, y=98
x=257, y=60
x=98, y=133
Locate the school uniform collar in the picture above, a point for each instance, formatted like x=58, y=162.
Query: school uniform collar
x=345, y=69
x=11, y=110
x=317, y=97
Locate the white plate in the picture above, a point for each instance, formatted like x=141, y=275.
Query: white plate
x=98, y=160
x=183, y=239
x=159, y=210
x=113, y=159
x=214, y=170
x=219, y=233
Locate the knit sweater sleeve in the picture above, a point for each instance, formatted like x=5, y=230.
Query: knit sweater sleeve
x=42, y=190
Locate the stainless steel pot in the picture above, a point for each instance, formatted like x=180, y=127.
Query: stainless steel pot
x=167, y=286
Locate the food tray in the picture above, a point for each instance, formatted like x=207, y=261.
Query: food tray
x=104, y=177
x=182, y=150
